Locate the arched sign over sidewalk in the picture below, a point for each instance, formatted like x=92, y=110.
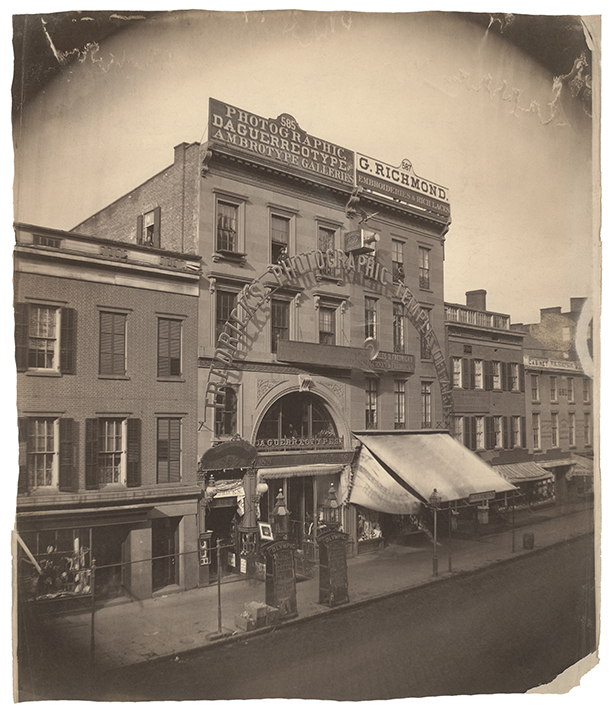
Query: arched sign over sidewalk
x=308, y=267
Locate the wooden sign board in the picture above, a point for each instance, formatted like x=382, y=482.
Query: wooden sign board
x=280, y=582
x=333, y=577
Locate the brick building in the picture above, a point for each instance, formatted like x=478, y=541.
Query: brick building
x=321, y=321
x=106, y=342
x=558, y=354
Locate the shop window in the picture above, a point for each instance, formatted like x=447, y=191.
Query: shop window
x=148, y=228
x=65, y=559
x=112, y=343
x=45, y=338
x=169, y=347
x=168, y=450
x=368, y=525
x=226, y=413
x=297, y=421
x=112, y=452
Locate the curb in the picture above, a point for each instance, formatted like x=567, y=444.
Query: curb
x=353, y=605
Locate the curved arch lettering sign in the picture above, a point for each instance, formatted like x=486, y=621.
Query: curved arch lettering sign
x=290, y=272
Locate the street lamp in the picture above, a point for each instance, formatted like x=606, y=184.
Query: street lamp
x=281, y=517
x=434, y=502
x=261, y=489
x=331, y=510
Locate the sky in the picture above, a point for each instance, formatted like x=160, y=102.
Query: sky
x=515, y=157
x=466, y=107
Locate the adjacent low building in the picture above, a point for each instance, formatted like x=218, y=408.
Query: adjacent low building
x=106, y=344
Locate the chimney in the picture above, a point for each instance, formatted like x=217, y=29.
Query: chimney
x=550, y=311
x=576, y=304
x=180, y=153
x=476, y=299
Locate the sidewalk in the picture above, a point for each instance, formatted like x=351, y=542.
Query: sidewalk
x=169, y=625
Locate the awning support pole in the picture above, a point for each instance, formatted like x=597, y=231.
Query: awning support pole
x=450, y=539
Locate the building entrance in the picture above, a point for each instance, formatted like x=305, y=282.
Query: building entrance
x=164, y=552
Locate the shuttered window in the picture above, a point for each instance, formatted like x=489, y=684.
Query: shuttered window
x=112, y=452
x=169, y=347
x=112, y=356
x=45, y=338
x=168, y=450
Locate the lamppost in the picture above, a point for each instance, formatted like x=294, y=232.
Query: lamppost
x=281, y=517
x=434, y=503
x=331, y=510
x=261, y=489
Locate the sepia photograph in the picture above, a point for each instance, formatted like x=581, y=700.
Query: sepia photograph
x=306, y=309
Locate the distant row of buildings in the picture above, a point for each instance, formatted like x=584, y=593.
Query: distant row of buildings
x=267, y=314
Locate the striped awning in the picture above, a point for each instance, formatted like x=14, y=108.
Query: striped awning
x=523, y=472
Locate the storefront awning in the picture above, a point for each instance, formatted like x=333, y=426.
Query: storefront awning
x=299, y=471
x=584, y=467
x=523, y=472
x=374, y=488
x=423, y=461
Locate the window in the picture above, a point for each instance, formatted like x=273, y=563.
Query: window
x=226, y=413
x=425, y=348
x=513, y=381
x=534, y=388
x=586, y=397
x=553, y=389
x=371, y=404
x=227, y=238
x=478, y=374
x=515, y=430
x=497, y=431
x=112, y=452
x=397, y=256
x=148, y=228
x=326, y=325
x=426, y=404
x=497, y=375
x=45, y=338
x=280, y=322
x=42, y=453
x=298, y=421
x=169, y=347
x=587, y=429
x=168, y=450
x=570, y=389
x=400, y=404
x=424, y=268
x=226, y=301
x=480, y=433
x=456, y=372
x=536, y=431
x=458, y=428
x=399, y=340
x=280, y=237
x=572, y=435
x=371, y=318
x=326, y=241
x=554, y=430
x=112, y=352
